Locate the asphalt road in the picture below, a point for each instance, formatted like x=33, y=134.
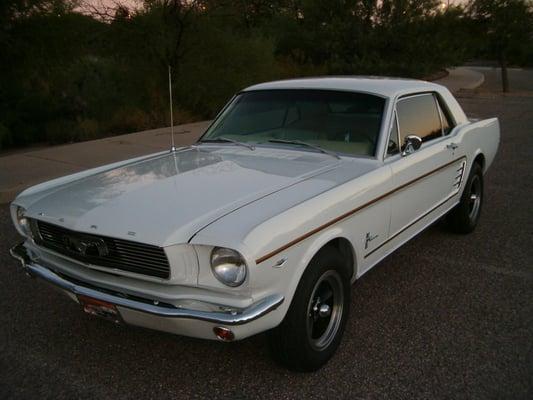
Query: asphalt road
x=446, y=316
x=520, y=80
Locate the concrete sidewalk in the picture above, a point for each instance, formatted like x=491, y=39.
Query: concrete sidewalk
x=21, y=170
x=462, y=78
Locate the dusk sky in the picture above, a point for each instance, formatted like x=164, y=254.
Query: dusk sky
x=131, y=4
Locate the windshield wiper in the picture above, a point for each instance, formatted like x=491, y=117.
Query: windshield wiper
x=331, y=153
x=227, y=140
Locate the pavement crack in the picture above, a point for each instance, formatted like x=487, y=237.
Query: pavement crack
x=51, y=159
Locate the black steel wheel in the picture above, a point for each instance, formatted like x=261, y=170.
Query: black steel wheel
x=313, y=326
x=465, y=216
x=325, y=310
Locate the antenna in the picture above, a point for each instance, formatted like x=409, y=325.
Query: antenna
x=173, y=147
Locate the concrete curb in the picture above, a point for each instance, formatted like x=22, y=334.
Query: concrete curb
x=477, y=83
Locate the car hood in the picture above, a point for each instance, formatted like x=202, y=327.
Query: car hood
x=166, y=199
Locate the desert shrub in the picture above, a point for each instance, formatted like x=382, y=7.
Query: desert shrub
x=221, y=63
x=125, y=120
x=5, y=137
x=61, y=131
x=88, y=129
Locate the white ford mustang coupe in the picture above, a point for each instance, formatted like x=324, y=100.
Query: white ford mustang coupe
x=296, y=190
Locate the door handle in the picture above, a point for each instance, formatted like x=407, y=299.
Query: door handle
x=452, y=146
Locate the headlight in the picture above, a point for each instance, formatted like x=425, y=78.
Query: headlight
x=228, y=266
x=21, y=222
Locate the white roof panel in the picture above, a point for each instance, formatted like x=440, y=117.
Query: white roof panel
x=387, y=87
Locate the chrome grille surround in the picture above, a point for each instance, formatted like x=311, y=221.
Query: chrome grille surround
x=119, y=254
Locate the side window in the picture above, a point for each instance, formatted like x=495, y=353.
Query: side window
x=418, y=115
x=392, y=146
x=447, y=125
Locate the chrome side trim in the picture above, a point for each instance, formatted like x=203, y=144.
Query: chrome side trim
x=233, y=317
x=351, y=212
x=411, y=224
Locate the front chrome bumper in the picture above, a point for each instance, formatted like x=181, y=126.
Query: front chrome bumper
x=233, y=317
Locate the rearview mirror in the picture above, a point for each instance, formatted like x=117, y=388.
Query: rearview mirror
x=411, y=144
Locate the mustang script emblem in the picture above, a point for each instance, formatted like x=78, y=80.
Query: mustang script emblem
x=86, y=246
x=369, y=238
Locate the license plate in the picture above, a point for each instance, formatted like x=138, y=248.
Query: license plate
x=101, y=309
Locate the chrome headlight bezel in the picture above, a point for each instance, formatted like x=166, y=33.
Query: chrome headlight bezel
x=21, y=222
x=228, y=266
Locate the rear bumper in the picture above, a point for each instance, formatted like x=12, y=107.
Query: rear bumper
x=231, y=316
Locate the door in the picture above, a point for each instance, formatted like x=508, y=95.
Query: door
x=425, y=178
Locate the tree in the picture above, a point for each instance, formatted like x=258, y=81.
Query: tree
x=167, y=23
x=506, y=29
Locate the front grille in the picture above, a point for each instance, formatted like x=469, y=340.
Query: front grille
x=124, y=255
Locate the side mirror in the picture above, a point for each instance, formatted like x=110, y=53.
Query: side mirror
x=412, y=143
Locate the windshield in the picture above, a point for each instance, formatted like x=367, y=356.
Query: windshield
x=342, y=122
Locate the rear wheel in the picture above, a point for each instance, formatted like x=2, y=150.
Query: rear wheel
x=465, y=216
x=312, y=328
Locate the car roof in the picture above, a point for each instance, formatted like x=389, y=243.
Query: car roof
x=383, y=86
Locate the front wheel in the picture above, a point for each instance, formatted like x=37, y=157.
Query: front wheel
x=312, y=328
x=465, y=216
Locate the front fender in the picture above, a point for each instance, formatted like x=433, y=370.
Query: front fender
x=270, y=278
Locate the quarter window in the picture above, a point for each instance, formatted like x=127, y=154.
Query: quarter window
x=446, y=124
x=392, y=146
x=418, y=115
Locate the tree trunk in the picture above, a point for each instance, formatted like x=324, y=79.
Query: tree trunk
x=505, y=78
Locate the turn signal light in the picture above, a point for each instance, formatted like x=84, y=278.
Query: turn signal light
x=223, y=334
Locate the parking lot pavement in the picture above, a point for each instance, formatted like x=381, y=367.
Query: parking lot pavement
x=446, y=316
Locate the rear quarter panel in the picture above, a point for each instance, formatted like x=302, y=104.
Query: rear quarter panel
x=480, y=137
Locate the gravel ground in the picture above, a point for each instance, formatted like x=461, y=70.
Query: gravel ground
x=446, y=316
